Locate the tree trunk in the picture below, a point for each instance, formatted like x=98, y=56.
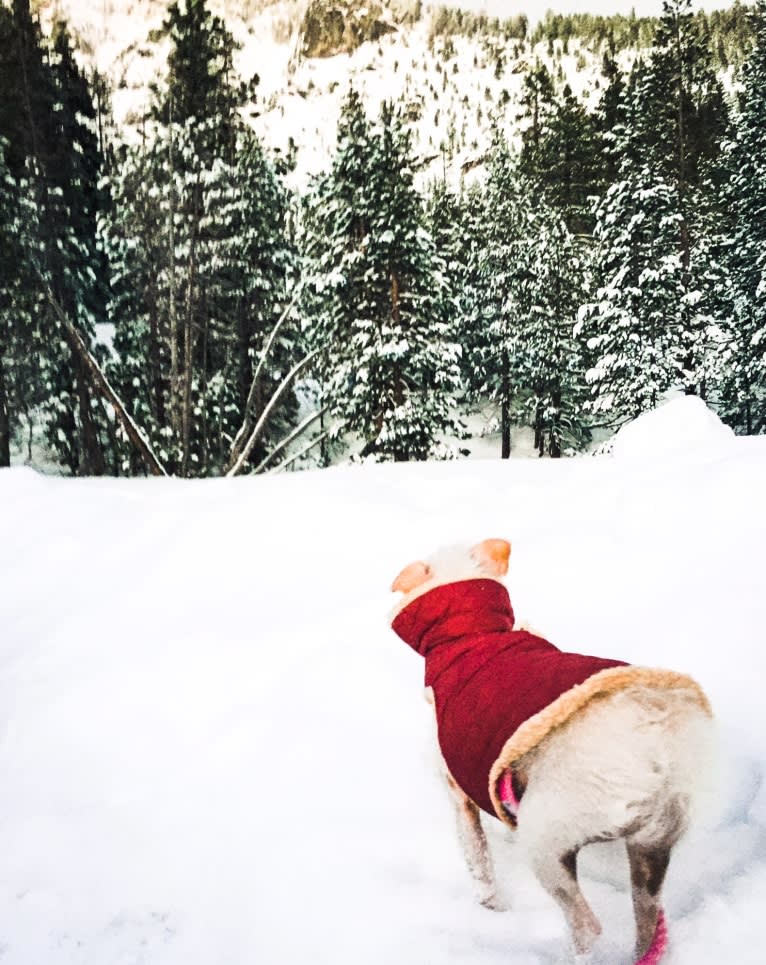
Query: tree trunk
x=91, y=455
x=400, y=455
x=156, y=397
x=539, y=431
x=505, y=408
x=175, y=405
x=555, y=446
x=5, y=422
x=188, y=361
x=203, y=391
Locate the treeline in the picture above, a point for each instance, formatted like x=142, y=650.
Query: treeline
x=610, y=257
x=451, y=21
x=617, y=31
x=728, y=32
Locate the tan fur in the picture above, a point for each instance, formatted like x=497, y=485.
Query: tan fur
x=576, y=700
x=450, y=565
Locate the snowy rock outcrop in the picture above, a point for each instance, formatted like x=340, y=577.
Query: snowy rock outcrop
x=681, y=427
x=341, y=26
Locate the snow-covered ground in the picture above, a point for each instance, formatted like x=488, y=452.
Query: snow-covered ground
x=214, y=750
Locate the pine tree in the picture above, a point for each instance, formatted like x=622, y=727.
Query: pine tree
x=12, y=349
x=566, y=161
x=606, y=118
x=537, y=101
x=45, y=117
x=200, y=263
x=743, y=339
x=653, y=322
x=455, y=222
x=200, y=256
x=201, y=84
x=528, y=276
x=389, y=367
x=546, y=357
x=74, y=265
x=498, y=269
x=629, y=324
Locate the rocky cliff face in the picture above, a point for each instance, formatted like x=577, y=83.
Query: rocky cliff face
x=341, y=26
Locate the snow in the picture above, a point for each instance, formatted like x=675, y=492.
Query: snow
x=213, y=748
x=681, y=427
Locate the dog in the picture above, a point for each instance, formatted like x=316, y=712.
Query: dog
x=566, y=748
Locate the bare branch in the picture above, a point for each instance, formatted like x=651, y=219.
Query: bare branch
x=247, y=421
x=259, y=426
x=298, y=431
x=314, y=442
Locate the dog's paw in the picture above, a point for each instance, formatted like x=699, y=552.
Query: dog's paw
x=493, y=902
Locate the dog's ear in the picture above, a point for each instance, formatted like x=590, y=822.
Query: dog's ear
x=411, y=576
x=493, y=554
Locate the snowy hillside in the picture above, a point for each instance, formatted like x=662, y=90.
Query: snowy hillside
x=451, y=87
x=213, y=749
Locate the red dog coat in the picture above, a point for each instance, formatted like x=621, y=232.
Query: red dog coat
x=487, y=678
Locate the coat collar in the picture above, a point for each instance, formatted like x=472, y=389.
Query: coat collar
x=452, y=611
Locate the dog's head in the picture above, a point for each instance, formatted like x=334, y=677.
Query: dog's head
x=488, y=559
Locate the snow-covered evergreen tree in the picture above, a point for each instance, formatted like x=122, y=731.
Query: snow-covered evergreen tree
x=201, y=84
x=547, y=357
x=652, y=322
x=47, y=118
x=629, y=325
x=498, y=270
x=13, y=349
x=528, y=277
x=389, y=365
x=562, y=158
x=456, y=223
x=743, y=334
x=197, y=241
x=200, y=263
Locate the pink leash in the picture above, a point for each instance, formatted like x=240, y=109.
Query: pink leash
x=660, y=941
x=508, y=796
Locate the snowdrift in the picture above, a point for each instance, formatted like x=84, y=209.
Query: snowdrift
x=213, y=749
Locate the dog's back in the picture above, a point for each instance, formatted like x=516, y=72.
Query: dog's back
x=630, y=765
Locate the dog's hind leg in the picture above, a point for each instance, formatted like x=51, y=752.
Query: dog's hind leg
x=557, y=873
x=475, y=848
x=647, y=873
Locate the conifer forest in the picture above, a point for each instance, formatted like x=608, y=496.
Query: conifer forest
x=170, y=302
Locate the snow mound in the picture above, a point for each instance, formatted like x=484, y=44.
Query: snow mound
x=682, y=427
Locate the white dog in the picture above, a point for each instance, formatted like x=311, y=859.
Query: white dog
x=567, y=748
